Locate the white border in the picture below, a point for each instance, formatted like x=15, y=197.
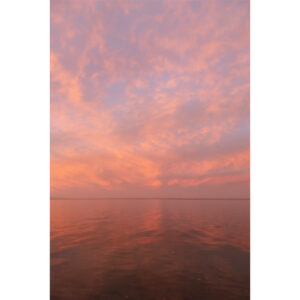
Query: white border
x=275, y=149
x=24, y=150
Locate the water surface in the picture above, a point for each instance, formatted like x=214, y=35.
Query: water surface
x=150, y=249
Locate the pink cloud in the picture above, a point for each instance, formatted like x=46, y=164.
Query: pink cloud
x=149, y=98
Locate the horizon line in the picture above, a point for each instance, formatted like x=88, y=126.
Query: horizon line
x=150, y=198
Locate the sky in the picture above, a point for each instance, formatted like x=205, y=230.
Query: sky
x=150, y=99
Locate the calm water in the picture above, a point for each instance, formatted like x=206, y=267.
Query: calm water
x=150, y=249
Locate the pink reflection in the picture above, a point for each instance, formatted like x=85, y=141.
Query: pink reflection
x=98, y=246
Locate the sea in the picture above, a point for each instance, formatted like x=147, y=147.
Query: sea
x=163, y=249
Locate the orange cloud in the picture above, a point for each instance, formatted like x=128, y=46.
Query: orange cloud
x=149, y=98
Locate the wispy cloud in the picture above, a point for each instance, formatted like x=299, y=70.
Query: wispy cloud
x=150, y=98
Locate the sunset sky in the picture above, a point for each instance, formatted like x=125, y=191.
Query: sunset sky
x=150, y=98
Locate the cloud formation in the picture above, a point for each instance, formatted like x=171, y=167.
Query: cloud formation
x=149, y=98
